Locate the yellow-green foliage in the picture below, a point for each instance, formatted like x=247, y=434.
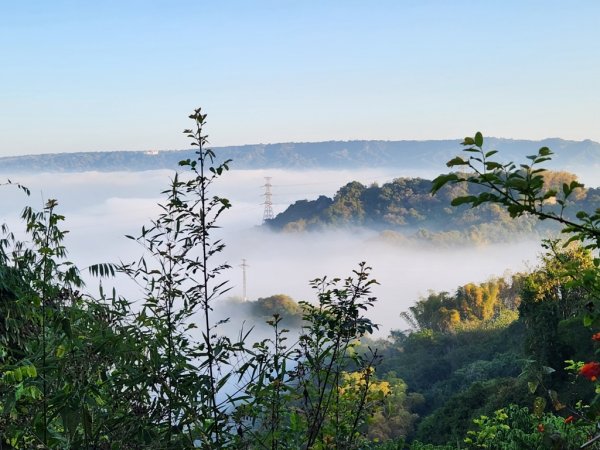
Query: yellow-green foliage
x=471, y=306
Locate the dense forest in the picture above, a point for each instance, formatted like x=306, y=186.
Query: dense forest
x=404, y=210
x=505, y=364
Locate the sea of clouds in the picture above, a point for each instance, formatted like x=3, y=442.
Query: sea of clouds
x=101, y=208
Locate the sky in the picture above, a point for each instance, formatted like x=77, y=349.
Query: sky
x=124, y=75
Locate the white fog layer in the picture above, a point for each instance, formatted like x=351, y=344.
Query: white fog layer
x=101, y=208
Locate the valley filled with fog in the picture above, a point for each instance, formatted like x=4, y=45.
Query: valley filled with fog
x=101, y=208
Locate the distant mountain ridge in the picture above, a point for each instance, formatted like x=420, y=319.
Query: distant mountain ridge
x=429, y=154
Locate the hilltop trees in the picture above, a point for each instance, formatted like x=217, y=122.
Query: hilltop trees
x=405, y=208
x=470, y=306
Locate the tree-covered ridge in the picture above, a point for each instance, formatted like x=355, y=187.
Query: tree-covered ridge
x=470, y=306
x=303, y=155
x=495, y=343
x=492, y=343
x=406, y=206
x=264, y=308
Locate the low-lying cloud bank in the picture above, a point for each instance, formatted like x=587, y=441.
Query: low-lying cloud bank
x=101, y=208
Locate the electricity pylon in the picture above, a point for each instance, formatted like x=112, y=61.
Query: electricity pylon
x=244, y=266
x=268, y=213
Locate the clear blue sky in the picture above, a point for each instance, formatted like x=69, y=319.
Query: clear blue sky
x=124, y=75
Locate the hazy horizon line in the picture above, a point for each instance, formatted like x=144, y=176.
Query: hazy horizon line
x=292, y=142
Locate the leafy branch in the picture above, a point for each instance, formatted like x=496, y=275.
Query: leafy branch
x=519, y=188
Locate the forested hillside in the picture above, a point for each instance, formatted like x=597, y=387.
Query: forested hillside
x=492, y=344
x=405, y=208
x=476, y=349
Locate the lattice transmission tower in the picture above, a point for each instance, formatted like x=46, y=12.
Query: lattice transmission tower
x=244, y=266
x=268, y=213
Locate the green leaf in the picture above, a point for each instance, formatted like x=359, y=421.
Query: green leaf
x=66, y=326
x=478, y=139
x=462, y=200
x=491, y=165
x=457, y=161
x=442, y=180
x=532, y=385
x=556, y=403
x=548, y=370
x=541, y=160
x=515, y=210
x=104, y=269
x=19, y=391
x=575, y=184
x=60, y=351
x=31, y=371
x=539, y=404
x=8, y=377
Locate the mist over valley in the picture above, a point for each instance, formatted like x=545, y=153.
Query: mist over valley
x=102, y=207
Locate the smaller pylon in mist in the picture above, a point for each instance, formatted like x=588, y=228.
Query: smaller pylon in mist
x=244, y=293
